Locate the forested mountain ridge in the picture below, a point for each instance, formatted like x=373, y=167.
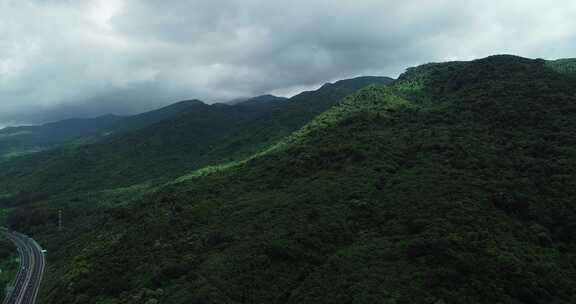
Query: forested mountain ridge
x=262, y=99
x=146, y=119
x=456, y=184
x=16, y=141
x=292, y=115
x=194, y=135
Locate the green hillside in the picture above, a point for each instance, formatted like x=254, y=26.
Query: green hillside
x=454, y=185
x=287, y=118
x=567, y=66
x=146, y=119
x=17, y=141
x=204, y=135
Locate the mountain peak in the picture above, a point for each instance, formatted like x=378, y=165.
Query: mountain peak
x=187, y=102
x=262, y=99
x=358, y=82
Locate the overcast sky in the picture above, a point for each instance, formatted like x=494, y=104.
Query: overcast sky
x=61, y=58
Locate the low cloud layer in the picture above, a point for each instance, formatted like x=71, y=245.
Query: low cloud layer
x=61, y=58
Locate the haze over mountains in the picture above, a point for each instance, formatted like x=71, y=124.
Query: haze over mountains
x=62, y=131
x=29, y=139
x=26, y=139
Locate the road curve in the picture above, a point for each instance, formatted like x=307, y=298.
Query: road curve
x=32, y=263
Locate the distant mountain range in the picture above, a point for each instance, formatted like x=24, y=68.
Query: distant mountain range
x=15, y=141
x=19, y=140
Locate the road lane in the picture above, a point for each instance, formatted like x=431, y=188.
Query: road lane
x=29, y=277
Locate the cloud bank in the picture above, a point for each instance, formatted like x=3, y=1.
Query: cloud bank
x=61, y=58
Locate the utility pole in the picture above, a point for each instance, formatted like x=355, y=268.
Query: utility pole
x=60, y=220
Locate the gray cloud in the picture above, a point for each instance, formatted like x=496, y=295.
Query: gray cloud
x=83, y=58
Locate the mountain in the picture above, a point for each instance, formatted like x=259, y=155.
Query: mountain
x=140, y=121
x=257, y=100
x=146, y=119
x=289, y=117
x=204, y=135
x=16, y=141
x=58, y=132
x=455, y=184
x=26, y=139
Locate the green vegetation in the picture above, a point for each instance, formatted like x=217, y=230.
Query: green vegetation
x=455, y=184
x=567, y=66
x=8, y=264
x=18, y=141
x=203, y=135
x=141, y=121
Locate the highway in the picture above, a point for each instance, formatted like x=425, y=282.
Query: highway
x=32, y=262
